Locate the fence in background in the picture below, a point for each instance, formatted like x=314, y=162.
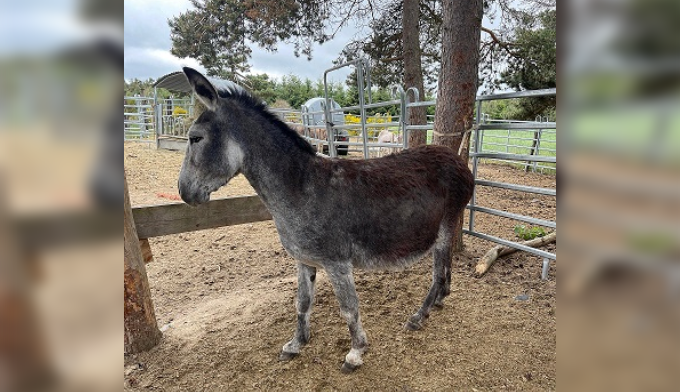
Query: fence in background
x=174, y=116
x=478, y=152
x=169, y=120
x=138, y=119
x=541, y=141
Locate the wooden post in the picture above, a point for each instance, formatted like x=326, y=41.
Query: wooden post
x=24, y=358
x=141, y=328
x=534, y=150
x=147, y=254
x=464, y=152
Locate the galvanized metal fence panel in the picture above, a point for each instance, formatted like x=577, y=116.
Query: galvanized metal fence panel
x=138, y=119
x=175, y=116
x=540, y=153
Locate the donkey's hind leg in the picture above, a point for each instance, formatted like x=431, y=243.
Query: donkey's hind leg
x=305, y=301
x=343, y=285
x=441, y=280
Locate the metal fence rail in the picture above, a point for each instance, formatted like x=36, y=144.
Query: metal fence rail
x=520, y=137
x=516, y=151
x=174, y=117
x=138, y=119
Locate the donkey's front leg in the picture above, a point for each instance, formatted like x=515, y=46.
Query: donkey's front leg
x=305, y=301
x=343, y=284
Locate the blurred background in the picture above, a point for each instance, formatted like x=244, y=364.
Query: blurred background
x=61, y=65
x=620, y=196
x=61, y=155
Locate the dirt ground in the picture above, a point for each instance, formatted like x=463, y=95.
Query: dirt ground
x=225, y=299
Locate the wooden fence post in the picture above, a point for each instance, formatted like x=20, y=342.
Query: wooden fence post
x=141, y=328
x=24, y=359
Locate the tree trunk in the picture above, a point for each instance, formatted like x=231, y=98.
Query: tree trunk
x=141, y=329
x=462, y=23
x=413, y=72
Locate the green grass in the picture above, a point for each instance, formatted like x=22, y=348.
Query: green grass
x=634, y=131
x=520, y=142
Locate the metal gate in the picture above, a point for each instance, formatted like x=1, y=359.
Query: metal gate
x=138, y=119
x=174, y=117
x=369, y=138
x=479, y=152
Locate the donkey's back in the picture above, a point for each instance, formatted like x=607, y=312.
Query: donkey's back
x=381, y=212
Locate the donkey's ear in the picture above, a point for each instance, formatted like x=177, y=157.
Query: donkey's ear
x=204, y=90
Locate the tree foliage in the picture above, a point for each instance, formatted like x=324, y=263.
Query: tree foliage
x=531, y=62
x=519, y=54
x=384, y=45
x=144, y=88
x=218, y=33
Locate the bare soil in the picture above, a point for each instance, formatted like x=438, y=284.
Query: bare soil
x=225, y=299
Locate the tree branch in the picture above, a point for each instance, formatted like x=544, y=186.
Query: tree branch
x=494, y=38
x=492, y=255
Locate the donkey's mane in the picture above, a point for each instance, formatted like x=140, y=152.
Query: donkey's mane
x=240, y=95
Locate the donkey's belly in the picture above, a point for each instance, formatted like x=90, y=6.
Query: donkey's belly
x=377, y=249
x=393, y=252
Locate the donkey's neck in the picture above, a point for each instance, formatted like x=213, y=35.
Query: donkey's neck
x=275, y=163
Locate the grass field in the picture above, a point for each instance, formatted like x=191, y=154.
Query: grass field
x=633, y=131
x=521, y=142
x=518, y=142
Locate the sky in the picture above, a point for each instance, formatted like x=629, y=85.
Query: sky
x=147, y=47
x=38, y=27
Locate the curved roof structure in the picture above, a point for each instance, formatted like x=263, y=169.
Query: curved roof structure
x=176, y=81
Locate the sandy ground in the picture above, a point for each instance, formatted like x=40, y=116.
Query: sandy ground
x=225, y=301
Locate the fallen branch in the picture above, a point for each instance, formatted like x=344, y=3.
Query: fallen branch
x=499, y=251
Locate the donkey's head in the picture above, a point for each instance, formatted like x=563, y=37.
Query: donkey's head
x=212, y=157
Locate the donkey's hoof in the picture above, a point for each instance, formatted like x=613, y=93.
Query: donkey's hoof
x=348, y=368
x=412, y=325
x=415, y=322
x=438, y=305
x=286, y=356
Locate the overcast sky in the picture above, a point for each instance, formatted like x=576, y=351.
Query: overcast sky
x=147, y=46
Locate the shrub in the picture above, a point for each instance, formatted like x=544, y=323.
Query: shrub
x=529, y=233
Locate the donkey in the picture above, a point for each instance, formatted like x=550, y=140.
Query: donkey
x=333, y=214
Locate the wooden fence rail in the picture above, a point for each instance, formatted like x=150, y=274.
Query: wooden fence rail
x=158, y=220
x=76, y=227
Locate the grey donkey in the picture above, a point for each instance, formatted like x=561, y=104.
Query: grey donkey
x=335, y=214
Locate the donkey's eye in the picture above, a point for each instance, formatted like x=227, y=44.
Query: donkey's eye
x=195, y=139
